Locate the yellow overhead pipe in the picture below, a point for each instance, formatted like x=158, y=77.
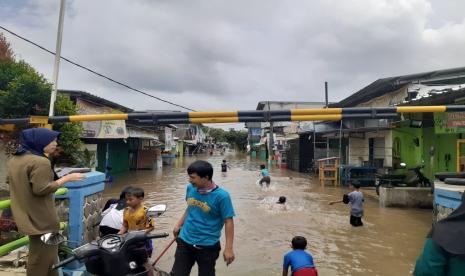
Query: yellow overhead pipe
x=97, y=117
x=328, y=117
x=418, y=109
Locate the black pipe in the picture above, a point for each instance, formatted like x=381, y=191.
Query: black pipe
x=455, y=108
x=326, y=94
x=58, y=119
x=15, y=121
x=369, y=110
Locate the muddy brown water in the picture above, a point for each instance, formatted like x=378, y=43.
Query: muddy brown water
x=388, y=244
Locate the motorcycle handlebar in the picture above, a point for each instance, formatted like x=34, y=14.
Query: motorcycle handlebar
x=158, y=236
x=64, y=262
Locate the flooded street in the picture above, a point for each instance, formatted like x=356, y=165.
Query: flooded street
x=388, y=244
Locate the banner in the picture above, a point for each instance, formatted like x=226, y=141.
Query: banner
x=101, y=129
x=169, y=142
x=256, y=131
x=449, y=122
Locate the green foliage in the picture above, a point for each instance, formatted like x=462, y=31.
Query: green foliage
x=25, y=92
x=237, y=138
x=85, y=159
x=218, y=134
x=70, y=142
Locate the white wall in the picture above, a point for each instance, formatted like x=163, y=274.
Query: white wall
x=359, y=148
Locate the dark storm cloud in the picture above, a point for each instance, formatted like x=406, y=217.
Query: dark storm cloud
x=231, y=54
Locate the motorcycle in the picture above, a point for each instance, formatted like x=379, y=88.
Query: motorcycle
x=115, y=255
x=412, y=178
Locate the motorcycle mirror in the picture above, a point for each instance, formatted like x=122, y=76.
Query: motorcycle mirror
x=156, y=211
x=403, y=165
x=52, y=238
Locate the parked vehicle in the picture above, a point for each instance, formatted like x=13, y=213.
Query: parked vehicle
x=112, y=254
x=413, y=177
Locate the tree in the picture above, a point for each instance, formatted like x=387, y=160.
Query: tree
x=237, y=138
x=70, y=142
x=25, y=92
x=5, y=49
x=218, y=134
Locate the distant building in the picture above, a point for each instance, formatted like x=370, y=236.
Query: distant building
x=118, y=145
x=287, y=143
x=432, y=140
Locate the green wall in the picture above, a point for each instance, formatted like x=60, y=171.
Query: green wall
x=443, y=144
x=413, y=156
x=410, y=154
x=118, y=158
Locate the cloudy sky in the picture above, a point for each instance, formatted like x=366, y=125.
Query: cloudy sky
x=228, y=55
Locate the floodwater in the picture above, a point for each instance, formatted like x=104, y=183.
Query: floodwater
x=387, y=244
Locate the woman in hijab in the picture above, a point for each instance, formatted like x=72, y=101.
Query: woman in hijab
x=444, y=250
x=32, y=188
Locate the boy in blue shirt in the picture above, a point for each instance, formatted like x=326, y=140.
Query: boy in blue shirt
x=198, y=232
x=265, y=175
x=299, y=260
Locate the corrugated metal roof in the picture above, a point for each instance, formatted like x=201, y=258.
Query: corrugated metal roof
x=386, y=85
x=95, y=99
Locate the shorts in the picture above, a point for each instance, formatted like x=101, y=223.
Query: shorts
x=307, y=271
x=265, y=179
x=356, y=221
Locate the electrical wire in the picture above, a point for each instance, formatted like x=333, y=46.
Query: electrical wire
x=94, y=72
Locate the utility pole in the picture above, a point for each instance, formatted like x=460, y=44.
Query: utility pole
x=326, y=105
x=326, y=94
x=56, y=66
x=271, y=141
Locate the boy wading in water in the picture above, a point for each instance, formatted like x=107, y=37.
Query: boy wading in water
x=355, y=198
x=224, y=166
x=198, y=232
x=300, y=261
x=265, y=176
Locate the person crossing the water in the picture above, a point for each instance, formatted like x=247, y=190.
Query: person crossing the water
x=265, y=176
x=300, y=261
x=355, y=198
x=224, y=166
x=198, y=231
x=281, y=203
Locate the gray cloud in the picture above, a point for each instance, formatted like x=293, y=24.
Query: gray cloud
x=231, y=54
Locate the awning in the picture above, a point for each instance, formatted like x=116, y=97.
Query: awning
x=142, y=133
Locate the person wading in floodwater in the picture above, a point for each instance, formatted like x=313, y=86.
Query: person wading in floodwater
x=224, y=166
x=355, y=198
x=198, y=231
x=265, y=176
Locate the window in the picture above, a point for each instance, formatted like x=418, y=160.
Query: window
x=396, y=148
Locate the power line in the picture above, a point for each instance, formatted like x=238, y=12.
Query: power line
x=94, y=72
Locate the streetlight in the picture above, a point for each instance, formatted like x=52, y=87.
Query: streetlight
x=56, y=66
